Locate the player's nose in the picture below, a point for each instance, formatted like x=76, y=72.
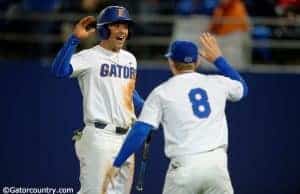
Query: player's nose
x=123, y=28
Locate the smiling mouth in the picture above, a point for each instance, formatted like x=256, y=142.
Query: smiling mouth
x=121, y=37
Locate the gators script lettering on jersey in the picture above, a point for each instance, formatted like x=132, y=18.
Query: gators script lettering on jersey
x=115, y=70
x=107, y=82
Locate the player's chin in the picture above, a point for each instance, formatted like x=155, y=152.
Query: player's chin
x=119, y=44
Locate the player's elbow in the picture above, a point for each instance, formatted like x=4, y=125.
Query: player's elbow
x=61, y=70
x=245, y=91
x=245, y=88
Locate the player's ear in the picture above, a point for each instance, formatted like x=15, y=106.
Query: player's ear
x=172, y=66
x=170, y=63
x=197, y=66
x=168, y=60
x=199, y=62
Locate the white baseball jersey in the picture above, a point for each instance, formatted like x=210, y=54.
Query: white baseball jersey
x=191, y=108
x=107, y=82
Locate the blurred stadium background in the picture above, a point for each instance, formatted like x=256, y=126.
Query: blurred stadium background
x=39, y=113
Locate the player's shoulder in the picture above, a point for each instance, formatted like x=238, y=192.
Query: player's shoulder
x=160, y=89
x=223, y=81
x=217, y=78
x=85, y=52
x=127, y=54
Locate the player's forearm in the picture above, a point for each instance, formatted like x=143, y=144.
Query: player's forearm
x=138, y=101
x=61, y=65
x=133, y=142
x=226, y=69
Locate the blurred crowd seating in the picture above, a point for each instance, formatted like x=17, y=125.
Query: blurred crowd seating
x=268, y=30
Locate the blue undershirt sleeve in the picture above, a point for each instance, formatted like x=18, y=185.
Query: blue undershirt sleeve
x=61, y=66
x=226, y=69
x=138, y=102
x=133, y=141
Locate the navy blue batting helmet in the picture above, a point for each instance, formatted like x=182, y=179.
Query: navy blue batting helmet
x=109, y=15
x=183, y=51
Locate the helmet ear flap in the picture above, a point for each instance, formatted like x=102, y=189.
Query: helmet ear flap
x=103, y=32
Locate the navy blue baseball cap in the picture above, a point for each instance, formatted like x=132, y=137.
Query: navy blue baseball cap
x=183, y=51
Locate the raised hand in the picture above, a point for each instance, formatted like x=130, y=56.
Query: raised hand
x=81, y=29
x=210, y=49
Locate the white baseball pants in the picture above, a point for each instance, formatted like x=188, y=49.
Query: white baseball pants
x=202, y=173
x=96, y=151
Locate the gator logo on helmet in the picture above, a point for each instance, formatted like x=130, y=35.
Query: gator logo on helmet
x=188, y=59
x=121, y=12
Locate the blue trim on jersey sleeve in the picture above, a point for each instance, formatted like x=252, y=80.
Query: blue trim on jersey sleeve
x=138, y=102
x=226, y=69
x=61, y=66
x=133, y=141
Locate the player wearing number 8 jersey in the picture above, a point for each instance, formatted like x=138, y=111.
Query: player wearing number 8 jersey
x=191, y=108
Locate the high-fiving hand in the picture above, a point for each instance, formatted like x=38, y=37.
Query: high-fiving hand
x=81, y=30
x=109, y=177
x=210, y=49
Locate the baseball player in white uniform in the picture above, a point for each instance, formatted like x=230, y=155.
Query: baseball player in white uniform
x=191, y=108
x=106, y=75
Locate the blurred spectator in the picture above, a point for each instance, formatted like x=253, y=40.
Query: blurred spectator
x=261, y=53
x=40, y=6
x=288, y=29
x=84, y=6
x=283, y=5
x=150, y=7
x=4, y=4
x=146, y=8
x=230, y=24
x=88, y=7
x=33, y=24
x=188, y=7
x=288, y=3
x=206, y=7
x=32, y=6
x=230, y=16
x=184, y=7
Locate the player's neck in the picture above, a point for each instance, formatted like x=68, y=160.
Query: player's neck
x=108, y=46
x=184, y=71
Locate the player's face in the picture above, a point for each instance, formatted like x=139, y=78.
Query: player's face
x=118, y=35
